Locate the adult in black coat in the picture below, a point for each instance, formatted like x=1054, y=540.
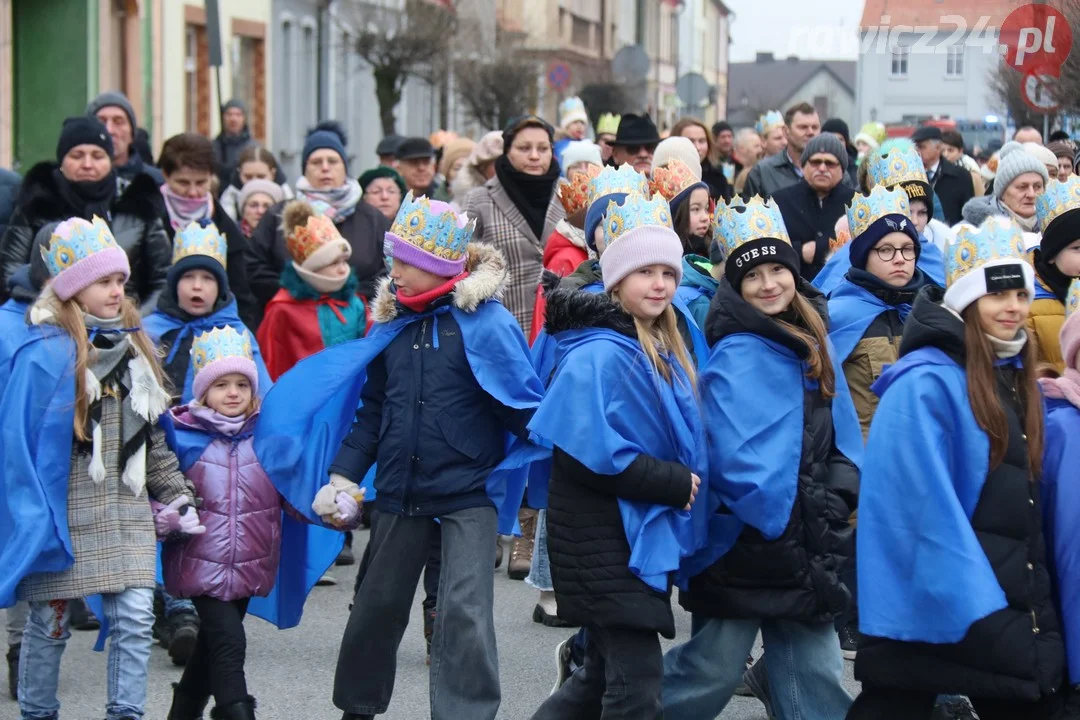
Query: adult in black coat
x=231, y=141
x=952, y=184
x=83, y=183
x=812, y=206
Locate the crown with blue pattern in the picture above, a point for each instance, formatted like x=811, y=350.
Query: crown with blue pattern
x=624, y=180
x=997, y=238
x=439, y=230
x=636, y=211
x=900, y=165
x=218, y=344
x=741, y=222
x=198, y=239
x=767, y=122
x=1058, y=199
x=571, y=110
x=75, y=240
x=865, y=210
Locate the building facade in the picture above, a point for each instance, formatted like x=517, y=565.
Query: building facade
x=704, y=27
x=769, y=83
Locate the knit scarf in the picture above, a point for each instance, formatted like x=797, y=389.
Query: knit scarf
x=1030, y=224
x=341, y=314
x=420, y=303
x=343, y=199
x=216, y=423
x=88, y=199
x=184, y=210
x=141, y=397
x=531, y=194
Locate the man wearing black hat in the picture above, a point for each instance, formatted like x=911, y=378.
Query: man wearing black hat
x=952, y=185
x=416, y=164
x=784, y=169
x=839, y=128
x=635, y=143
x=387, y=150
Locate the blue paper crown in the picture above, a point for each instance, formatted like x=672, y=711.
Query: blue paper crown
x=740, y=223
x=197, y=239
x=865, y=210
x=768, y=121
x=218, y=344
x=636, y=211
x=899, y=165
x=75, y=240
x=1072, y=301
x=1058, y=199
x=444, y=234
x=625, y=180
x=572, y=105
x=997, y=238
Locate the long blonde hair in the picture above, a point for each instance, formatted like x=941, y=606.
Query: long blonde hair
x=662, y=336
x=69, y=316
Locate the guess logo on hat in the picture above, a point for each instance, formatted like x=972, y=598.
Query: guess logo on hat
x=1004, y=277
x=753, y=254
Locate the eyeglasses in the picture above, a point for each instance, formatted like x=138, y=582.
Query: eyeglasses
x=888, y=252
x=827, y=163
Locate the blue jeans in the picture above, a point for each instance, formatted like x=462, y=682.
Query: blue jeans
x=540, y=571
x=130, y=615
x=173, y=605
x=805, y=669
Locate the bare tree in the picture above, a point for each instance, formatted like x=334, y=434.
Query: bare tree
x=497, y=86
x=1005, y=85
x=1066, y=89
x=399, y=40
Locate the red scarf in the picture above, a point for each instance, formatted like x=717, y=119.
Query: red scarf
x=419, y=303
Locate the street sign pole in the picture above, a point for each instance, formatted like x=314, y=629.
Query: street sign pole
x=213, y=39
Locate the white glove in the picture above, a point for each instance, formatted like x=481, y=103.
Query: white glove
x=326, y=504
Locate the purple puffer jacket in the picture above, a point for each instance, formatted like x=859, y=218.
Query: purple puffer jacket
x=238, y=555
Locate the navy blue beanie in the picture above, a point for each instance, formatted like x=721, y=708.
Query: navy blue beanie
x=595, y=216
x=864, y=243
x=325, y=136
x=684, y=196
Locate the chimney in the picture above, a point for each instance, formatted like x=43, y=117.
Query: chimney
x=764, y=57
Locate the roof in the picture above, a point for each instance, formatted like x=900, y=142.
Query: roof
x=929, y=13
x=769, y=84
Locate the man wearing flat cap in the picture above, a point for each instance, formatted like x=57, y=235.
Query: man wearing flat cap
x=952, y=184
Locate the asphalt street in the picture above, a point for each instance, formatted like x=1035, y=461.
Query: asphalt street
x=291, y=672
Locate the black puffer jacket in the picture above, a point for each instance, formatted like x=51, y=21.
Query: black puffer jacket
x=796, y=576
x=1013, y=654
x=136, y=224
x=590, y=557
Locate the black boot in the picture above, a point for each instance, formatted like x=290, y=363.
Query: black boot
x=13, y=671
x=354, y=716
x=185, y=706
x=182, y=630
x=239, y=710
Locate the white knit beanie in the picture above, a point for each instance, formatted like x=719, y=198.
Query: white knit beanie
x=579, y=151
x=1014, y=161
x=677, y=147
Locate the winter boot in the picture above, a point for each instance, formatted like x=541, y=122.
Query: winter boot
x=522, y=548
x=186, y=707
x=183, y=632
x=13, y=671
x=239, y=710
x=346, y=557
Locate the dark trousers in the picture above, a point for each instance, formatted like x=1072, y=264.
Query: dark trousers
x=217, y=665
x=880, y=704
x=431, y=569
x=622, y=677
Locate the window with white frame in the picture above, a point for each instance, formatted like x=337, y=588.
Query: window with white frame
x=954, y=61
x=900, y=62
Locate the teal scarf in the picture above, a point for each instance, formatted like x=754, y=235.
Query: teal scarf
x=341, y=315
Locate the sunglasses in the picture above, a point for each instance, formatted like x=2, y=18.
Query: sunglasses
x=827, y=163
x=636, y=149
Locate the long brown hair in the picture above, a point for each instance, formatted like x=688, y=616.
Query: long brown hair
x=686, y=122
x=663, y=335
x=983, y=396
x=814, y=336
x=68, y=315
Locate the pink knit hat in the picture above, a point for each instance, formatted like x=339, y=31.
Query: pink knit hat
x=221, y=352
x=638, y=234
x=80, y=253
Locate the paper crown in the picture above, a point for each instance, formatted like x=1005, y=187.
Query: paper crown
x=1058, y=199
x=625, y=180
x=574, y=193
x=571, y=110
x=303, y=241
x=197, y=239
x=898, y=166
x=672, y=178
x=636, y=211
x=1072, y=301
x=865, y=210
x=608, y=124
x=75, y=240
x=768, y=121
x=996, y=239
x=740, y=223
x=445, y=235
x=218, y=344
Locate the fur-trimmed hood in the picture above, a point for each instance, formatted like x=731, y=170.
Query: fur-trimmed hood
x=488, y=278
x=40, y=200
x=576, y=310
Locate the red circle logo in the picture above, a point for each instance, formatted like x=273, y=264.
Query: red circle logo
x=1036, y=40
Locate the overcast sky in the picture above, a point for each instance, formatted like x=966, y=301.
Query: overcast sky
x=825, y=31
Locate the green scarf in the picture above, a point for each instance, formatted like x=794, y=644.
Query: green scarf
x=340, y=320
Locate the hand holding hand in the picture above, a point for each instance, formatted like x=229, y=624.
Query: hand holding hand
x=348, y=509
x=695, y=484
x=178, y=516
x=329, y=505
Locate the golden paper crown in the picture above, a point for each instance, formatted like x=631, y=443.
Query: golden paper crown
x=1058, y=199
x=218, y=344
x=624, y=180
x=574, y=193
x=608, y=124
x=997, y=238
x=867, y=209
x=198, y=239
x=672, y=178
x=636, y=211
x=319, y=230
x=739, y=223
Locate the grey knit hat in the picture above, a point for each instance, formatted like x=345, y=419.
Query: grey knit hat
x=113, y=99
x=825, y=143
x=1014, y=161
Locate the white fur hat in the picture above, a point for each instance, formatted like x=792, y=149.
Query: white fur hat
x=581, y=151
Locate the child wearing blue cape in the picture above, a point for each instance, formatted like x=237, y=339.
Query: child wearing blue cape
x=82, y=449
x=784, y=447
x=950, y=518
x=237, y=556
x=622, y=415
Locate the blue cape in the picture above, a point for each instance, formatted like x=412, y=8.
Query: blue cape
x=931, y=261
x=306, y=551
x=309, y=411
x=13, y=332
x=157, y=324
x=851, y=310
x=1061, y=516
x=752, y=397
x=605, y=406
x=926, y=464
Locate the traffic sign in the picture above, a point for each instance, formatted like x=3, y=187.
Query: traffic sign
x=1036, y=93
x=558, y=76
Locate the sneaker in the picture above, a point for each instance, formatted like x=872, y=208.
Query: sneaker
x=741, y=689
x=757, y=680
x=953, y=708
x=183, y=631
x=345, y=557
x=562, y=664
x=849, y=641
x=326, y=580
x=522, y=548
x=13, y=671
x=81, y=617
